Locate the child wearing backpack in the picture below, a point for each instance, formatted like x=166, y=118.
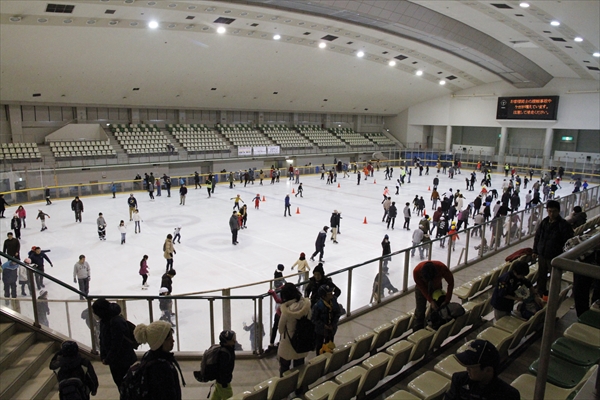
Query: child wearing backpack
x=156, y=376
x=294, y=308
x=76, y=375
x=217, y=364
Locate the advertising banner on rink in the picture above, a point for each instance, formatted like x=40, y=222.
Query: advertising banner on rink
x=245, y=151
x=259, y=150
x=273, y=150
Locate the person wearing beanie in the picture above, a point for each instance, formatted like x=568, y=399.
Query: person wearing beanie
x=115, y=350
x=480, y=380
x=278, y=280
x=226, y=362
x=160, y=370
x=577, y=218
x=325, y=316
x=293, y=308
x=67, y=363
x=42, y=308
x=320, y=245
x=386, y=250
x=303, y=268
x=316, y=281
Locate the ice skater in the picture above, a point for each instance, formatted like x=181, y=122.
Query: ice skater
x=287, y=206
x=236, y=202
x=101, y=222
x=320, y=245
x=256, y=201
x=77, y=207
x=177, y=233
x=300, y=190
x=123, y=230
x=144, y=272
x=42, y=217
x=47, y=195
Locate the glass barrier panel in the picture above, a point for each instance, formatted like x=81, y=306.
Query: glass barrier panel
x=363, y=279
x=79, y=320
x=244, y=321
x=192, y=322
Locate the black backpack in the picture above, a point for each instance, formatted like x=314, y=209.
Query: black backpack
x=304, y=336
x=135, y=384
x=444, y=314
x=209, y=366
x=129, y=337
x=72, y=389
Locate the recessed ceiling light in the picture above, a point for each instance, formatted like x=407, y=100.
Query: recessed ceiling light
x=113, y=22
x=91, y=22
x=442, y=82
x=596, y=54
x=171, y=26
x=555, y=23
x=189, y=27
x=15, y=19
x=277, y=37
x=133, y=23
x=42, y=20
x=191, y=7
x=172, y=5
x=68, y=21
x=152, y=24
x=360, y=54
x=524, y=5
x=322, y=45
x=419, y=72
x=221, y=29
x=392, y=63
x=578, y=39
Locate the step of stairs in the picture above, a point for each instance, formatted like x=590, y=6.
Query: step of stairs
x=14, y=347
x=39, y=385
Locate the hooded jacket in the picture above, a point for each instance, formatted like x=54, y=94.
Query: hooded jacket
x=291, y=311
x=71, y=367
x=114, y=347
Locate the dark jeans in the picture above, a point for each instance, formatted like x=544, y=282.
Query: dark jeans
x=321, y=253
x=84, y=286
x=274, y=328
x=77, y=216
x=234, y=233
x=10, y=290
x=144, y=279
x=118, y=372
x=420, y=309
x=581, y=292
x=542, y=280
x=406, y=223
x=169, y=264
x=177, y=237
x=284, y=365
x=39, y=281
x=391, y=220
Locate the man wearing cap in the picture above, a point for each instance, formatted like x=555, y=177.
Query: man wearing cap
x=428, y=277
x=550, y=238
x=480, y=380
x=132, y=203
x=37, y=257
x=334, y=222
x=320, y=245
x=223, y=390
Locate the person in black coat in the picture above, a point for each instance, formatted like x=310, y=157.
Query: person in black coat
x=77, y=207
x=116, y=350
x=316, y=281
x=11, y=246
x=320, y=245
x=37, y=257
x=15, y=225
x=392, y=213
x=161, y=370
x=167, y=280
x=335, y=223
x=67, y=363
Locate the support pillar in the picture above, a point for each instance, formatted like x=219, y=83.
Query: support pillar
x=16, y=124
x=548, y=139
x=448, y=138
x=181, y=117
x=503, y=139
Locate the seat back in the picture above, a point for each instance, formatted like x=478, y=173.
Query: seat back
x=313, y=371
x=440, y=335
x=282, y=387
x=459, y=323
x=400, y=353
x=421, y=340
x=400, y=325
x=384, y=332
x=520, y=333
x=475, y=312
x=338, y=358
x=261, y=394
x=372, y=378
x=536, y=321
x=361, y=346
x=346, y=390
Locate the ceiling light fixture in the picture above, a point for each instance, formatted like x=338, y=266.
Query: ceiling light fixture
x=578, y=39
x=419, y=73
x=221, y=30
x=152, y=24
x=392, y=63
x=322, y=45
x=596, y=54
x=15, y=19
x=442, y=82
x=360, y=54
x=524, y=5
x=555, y=23
x=277, y=37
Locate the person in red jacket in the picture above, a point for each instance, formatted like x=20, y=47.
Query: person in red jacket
x=428, y=277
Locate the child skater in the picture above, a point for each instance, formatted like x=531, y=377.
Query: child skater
x=144, y=272
x=177, y=234
x=236, y=202
x=123, y=230
x=42, y=217
x=256, y=201
x=300, y=190
x=101, y=222
x=137, y=219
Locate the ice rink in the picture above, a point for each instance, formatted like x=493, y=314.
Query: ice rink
x=207, y=260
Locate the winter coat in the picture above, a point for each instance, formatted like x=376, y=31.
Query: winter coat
x=577, y=219
x=15, y=223
x=302, y=265
x=166, y=282
x=406, y=212
x=12, y=246
x=323, y=316
x=234, y=223
x=21, y=213
x=291, y=311
x=393, y=211
x=38, y=259
x=23, y=274
x=386, y=248
x=114, y=347
x=77, y=206
x=168, y=249
x=417, y=236
x=10, y=272
x=550, y=238
x=312, y=289
x=182, y=191
x=132, y=202
x=320, y=242
x=71, y=367
x=143, y=267
x=334, y=221
x=101, y=222
x=162, y=375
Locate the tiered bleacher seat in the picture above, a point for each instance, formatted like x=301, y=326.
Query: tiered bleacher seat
x=379, y=138
x=284, y=136
x=141, y=139
x=320, y=137
x=197, y=137
x=19, y=151
x=85, y=148
x=243, y=135
x=352, y=138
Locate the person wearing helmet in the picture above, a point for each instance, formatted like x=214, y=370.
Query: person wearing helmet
x=428, y=277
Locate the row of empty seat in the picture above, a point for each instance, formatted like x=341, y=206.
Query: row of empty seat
x=19, y=151
x=143, y=139
x=379, y=138
x=86, y=148
x=197, y=137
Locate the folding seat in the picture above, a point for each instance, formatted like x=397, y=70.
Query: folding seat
x=459, y=324
x=591, y=318
x=583, y=333
x=400, y=353
x=421, y=340
x=333, y=391
x=525, y=384
x=474, y=308
x=338, y=357
x=448, y=366
x=499, y=338
x=370, y=371
x=383, y=334
x=429, y=386
x=575, y=352
x=440, y=334
x=561, y=372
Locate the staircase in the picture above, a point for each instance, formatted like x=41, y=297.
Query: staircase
x=24, y=360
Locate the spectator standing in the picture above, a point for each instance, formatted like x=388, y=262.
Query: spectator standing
x=37, y=257
x=182, y=193
x=480, y=380
x=82, y=275
x=320, y=245
x=77, y=207
x=234, y=226
x=550, y=238
x=116, y=350
x=325, y=317
x=169, y=251
x=132, y=203
x=428, y=277
x=293, y=308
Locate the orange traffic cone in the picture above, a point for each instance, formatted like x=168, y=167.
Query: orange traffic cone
x=338, y=185
x=264, y=198
x=374, y=181
x=298, y=210
x=293, y=191
x=424, y=212
x=365, y=221
x=429, y=188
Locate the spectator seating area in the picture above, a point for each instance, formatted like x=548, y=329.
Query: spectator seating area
x=84, y=148
x=320, y=137
x=19, y=151
x=197, y=137
x=243, y=135
x=379, y=139
x=352, y=138
x=284, y=136
x=141, y=139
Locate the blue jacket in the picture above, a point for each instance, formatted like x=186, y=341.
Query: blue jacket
x=287, y=201
x=322, y=315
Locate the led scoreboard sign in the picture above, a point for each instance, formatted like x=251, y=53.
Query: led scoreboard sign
x=531, y=107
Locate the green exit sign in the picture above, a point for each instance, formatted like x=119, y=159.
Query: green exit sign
x=567, y=138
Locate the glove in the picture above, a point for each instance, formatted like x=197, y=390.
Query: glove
x=52, y=265
x=74, y=280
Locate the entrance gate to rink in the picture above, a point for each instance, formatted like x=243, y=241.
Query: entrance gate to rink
x=199, y=317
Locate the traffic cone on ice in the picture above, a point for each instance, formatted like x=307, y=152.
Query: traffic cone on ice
x=374, y=181
x=298, y=210
x=338, y=185
x=429, y=188
x=264, y=198
x=365, y=221
x=293, y=191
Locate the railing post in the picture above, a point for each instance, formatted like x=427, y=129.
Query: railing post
x=406, y=264
x=211, y=303
x=449, y=256
x=261, y=327
x=348, y=295
x=150, y=311
x=68, y=318
x=30, y=276
x=177, y=324
x=226, y=309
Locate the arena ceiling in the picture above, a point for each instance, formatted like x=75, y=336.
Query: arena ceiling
x=103, y=53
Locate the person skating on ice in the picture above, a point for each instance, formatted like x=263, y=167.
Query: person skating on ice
x=132, y=203
x=177, y=233
x=300, y=190
x=123, y=230
x=320, y=245
x=144, y=271
x=42, y=217
x=137, y=218
x=101, y=222
x=77, y=207
x=256, y=201
x=236, y=202
x=287, y=206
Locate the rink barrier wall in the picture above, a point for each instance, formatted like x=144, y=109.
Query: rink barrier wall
x=355, y=303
